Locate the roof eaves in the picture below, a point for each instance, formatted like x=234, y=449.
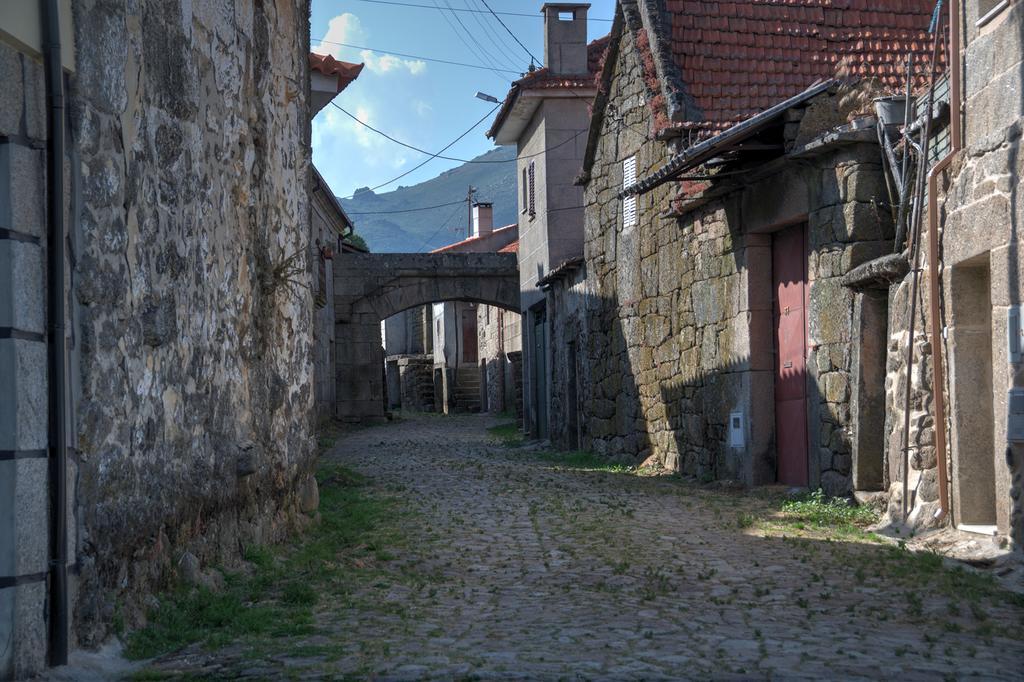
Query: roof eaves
x=504, y=111
x=698, y=153
x=321, y=185
x=563, y=269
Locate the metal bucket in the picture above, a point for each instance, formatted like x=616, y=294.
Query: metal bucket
x=892, y=111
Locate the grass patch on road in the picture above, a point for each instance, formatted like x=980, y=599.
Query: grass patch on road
x=509, y=434
x=582, y=459
x=814, y=515
x=276, y=598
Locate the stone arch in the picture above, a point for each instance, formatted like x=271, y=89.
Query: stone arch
x=369, y=288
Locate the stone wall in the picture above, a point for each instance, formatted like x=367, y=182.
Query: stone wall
x=326, y=227
x=980, y=214
x=498, y=334
x=416, y=378
x=191, y=280
x=680, y=331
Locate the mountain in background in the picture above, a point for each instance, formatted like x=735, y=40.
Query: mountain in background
x=425, y=230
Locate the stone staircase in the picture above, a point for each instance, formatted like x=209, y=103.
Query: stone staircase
x=467, y=389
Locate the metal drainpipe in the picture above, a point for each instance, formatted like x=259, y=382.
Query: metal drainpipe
x=55, y=327
x=938, y=378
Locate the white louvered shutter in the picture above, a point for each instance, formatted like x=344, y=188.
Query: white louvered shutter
x=629, y=203
x=532, y=203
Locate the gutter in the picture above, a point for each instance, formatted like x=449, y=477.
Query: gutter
x=938, y=372
x=57, y=375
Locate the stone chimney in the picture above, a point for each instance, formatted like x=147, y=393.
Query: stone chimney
x=483, y=219
x=565, y=37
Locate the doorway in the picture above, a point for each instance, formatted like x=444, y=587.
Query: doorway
x=789, y=300
x=974, y=474
x=540, y=380
x=469, y=341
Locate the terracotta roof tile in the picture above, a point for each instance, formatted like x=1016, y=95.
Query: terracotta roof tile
x=329, y=66
x=471, y=240
x=543, y=78
x=739, y=58
x=511, y=248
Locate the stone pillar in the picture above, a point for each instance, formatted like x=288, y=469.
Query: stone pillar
x=867, y=404
x=360, y=363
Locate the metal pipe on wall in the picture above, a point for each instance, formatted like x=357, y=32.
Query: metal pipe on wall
x=935, y=327
x=58, y=597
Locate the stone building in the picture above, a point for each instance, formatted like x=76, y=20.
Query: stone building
x=163, y=314
x=970, y=303
x=500, y=347
x=329, y=227
x=546, y=115
x=730, y=185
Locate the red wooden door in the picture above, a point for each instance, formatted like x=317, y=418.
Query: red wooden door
x=789, y=275
x=469, y=344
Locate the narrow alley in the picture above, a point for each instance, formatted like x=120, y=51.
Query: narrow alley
x=485, y=559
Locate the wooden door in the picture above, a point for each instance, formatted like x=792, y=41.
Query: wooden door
x=789, y=280
x=540, y=379
x=469, y=343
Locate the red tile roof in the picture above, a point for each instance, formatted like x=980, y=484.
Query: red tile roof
x=511, y=248
x=543, y=79
x=329, y=66
x=469, y=241
x=738, y=58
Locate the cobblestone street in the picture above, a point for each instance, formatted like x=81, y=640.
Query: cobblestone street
x=513, y=567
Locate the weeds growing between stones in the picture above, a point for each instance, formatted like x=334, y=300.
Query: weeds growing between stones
x=277, y=598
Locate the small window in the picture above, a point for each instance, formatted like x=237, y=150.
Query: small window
x=629, y=203
x=566, y=15
x=526, y=198
x=989, y=9
x=531, y=203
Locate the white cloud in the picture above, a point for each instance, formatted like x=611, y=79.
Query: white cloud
x=346, y=28
x=421, y=107
x=387, y=63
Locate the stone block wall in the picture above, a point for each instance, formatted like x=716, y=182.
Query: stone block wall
x=416, y=378
x=196, y=405
x=498, y=333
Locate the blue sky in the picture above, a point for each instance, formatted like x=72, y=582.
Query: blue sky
x=423, y=103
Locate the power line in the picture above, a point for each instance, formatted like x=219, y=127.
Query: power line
x=510, y=32
x=480, y=53
x=442, y=156
x=405, y=210
x=499, y=41
x=460, y=9
x=434, y=156
x=443, y=225
x=414, y=56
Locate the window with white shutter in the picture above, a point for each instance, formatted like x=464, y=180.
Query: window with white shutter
x=629, y=203
x=526, y=198
x=532, y=206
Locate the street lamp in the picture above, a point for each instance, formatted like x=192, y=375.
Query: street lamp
x=487, y=98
